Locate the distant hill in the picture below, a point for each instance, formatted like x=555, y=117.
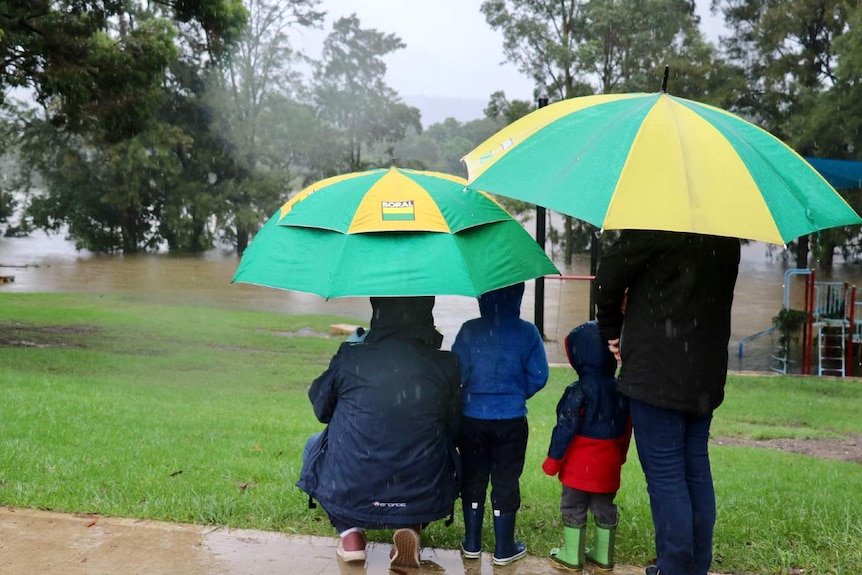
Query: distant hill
x=436, y=109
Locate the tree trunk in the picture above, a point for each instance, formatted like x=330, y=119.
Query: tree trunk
x=129, y=230
x=802, y=252
x=827, y=255
x=241, y=240
x=198, y=242
x=569, y=241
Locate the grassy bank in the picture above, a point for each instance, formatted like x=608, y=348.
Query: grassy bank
x=200, y=415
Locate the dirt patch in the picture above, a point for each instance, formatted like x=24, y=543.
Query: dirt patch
x=301, y=332
x=848, y=448
x=13, y=334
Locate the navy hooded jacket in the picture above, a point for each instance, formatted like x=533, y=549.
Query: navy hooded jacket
x=502, y=357
x=590, y=441
x=387, y=457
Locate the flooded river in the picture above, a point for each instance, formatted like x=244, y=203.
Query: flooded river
x=51, y=264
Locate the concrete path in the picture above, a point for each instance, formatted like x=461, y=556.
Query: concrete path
x=45, y=543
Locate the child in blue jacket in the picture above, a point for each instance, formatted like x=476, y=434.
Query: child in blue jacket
x=503, y=363
x=588, y=448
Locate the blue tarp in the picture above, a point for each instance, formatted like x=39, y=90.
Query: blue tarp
x=842, y=174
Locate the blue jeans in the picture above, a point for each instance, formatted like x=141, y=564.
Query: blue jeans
x=673, y=451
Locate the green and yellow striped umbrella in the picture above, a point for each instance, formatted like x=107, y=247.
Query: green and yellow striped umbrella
x=655, y=161
x=392, y=232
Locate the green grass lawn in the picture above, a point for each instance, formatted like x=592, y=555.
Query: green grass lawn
x=199, y=415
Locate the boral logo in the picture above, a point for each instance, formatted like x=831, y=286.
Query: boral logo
x=393, y=211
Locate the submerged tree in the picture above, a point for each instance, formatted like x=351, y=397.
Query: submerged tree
x=255, y=110
x=101, y=75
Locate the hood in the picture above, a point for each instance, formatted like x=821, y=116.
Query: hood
x=403, y=317
x=505, y=301
x=588, y=353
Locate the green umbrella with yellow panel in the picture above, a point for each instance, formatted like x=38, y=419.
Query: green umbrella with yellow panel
x=392, y=232
x=657, y=162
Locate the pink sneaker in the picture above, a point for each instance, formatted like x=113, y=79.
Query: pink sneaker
x=405, y=548
x=351, y=547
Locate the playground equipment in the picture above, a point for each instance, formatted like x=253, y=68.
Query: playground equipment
x=831, y=324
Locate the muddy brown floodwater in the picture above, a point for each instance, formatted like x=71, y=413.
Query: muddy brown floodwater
x=50, y=264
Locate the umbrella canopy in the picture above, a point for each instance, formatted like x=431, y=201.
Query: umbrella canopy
x=392, y=232
x=655, y=161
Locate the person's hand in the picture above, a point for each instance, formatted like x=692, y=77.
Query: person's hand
x=552, y=466
x=614, y=346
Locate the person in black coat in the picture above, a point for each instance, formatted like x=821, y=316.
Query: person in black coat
x=663, y=303
x=387, y=457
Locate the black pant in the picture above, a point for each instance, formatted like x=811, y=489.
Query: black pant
x=574, y=504
x=495, y=450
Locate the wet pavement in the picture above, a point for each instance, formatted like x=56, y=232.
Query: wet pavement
x=46, y=543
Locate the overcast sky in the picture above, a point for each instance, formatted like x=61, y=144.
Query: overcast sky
x=450, y=51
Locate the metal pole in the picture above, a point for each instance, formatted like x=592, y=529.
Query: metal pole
x=595, y=255
x=852, y=320
x=539, y=306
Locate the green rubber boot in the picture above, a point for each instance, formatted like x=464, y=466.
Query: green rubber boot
x=571, y=556
x=602, y=555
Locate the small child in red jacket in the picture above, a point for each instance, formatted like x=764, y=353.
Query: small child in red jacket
x=588, y=448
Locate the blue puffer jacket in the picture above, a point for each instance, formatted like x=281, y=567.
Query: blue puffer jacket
x=591, y=438
x=387, y=457
x=502, y=358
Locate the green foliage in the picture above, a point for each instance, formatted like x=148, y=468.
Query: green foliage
x=110, y=196
x=100, y=57
x=117, y=169
x=212, y=90
x=441, y=147
x=249, y=103
x=798, y=60
x=351, y=96
x=221, y=20
x=501, y=109
x=7, y=206
x=790, y=321
x=575, y=48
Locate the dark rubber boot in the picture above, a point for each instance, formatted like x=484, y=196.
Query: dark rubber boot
x=506, y=549
x=474, y=515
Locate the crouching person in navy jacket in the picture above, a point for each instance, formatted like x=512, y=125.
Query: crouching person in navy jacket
x=387, y=458
x=588, y=448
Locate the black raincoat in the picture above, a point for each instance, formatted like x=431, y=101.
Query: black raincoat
x=387, y=457
x=677, y=318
